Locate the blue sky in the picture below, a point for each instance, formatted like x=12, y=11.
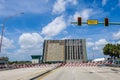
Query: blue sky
x=50, y=19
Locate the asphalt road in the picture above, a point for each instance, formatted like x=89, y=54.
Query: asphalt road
x=24, y=73
x=83, y=73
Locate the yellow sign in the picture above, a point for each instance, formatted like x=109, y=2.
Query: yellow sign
x=92, y=22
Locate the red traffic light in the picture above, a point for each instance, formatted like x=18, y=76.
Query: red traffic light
x=79, y=21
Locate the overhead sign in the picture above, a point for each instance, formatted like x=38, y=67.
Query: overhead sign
x=92, y=22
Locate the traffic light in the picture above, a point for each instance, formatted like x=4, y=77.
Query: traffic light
x=106, y=22
x=79, y=21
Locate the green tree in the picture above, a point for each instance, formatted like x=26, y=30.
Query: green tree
x=112, y=50
x=107, y=50
x=118, y=50
x=4, y=58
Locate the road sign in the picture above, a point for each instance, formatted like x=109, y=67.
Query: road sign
x=92, y=22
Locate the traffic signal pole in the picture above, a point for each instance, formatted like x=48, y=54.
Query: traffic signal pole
x=110, y=23
x=95, y=22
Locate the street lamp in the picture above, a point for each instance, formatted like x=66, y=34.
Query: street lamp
x=3, y=27
x=93, y=54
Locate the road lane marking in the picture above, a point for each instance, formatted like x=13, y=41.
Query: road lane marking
x=45, y=75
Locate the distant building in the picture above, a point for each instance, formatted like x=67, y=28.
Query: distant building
x=53, y=51
x=4, y=62
x=68, y=50
x=36, y=59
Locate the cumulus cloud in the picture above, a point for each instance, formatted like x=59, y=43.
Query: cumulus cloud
x=97, y=45
x=30, y=44
x=101, y=42
x=60, y=5
x=104, y=2
x=96, y=48
x=7, y=43
x=67, y=37
x=116, y=35
x=10, y=7
x=54, y=27
x=30, y=41
x=118, y=42
x=90, y=44
x=74, y=2
x=85, y=14
x=119, y=3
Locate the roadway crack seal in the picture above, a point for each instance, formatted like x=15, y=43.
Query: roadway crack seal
x=44, y=73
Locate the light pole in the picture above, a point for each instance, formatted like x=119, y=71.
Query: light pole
x=3, y=27
x=93, y=54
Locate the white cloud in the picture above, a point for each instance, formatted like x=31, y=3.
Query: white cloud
x=60, y=5
x=30, y=41
x=97, y=45
x=90, y=44
x=7, y=43
x=74, y=2
x=67, y=37
x=89, y=39
x=104, y=2
x=30, y=44
x=65, y=32
x=54, y=27
x=96, y=48
x=101, y=42
x=116, y=35
x=119, y=3
x=10, y=7
x=118, y=42
x=85, y=14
